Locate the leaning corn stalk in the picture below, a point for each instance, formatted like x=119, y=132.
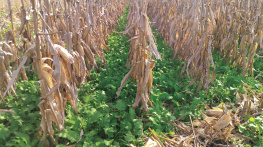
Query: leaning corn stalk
x=141, y=54
x=5, y=56
x=57, y=87
x=9, y=51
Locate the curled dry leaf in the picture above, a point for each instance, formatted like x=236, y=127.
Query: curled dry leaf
x=215, y=111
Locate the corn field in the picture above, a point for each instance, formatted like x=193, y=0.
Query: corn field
x=64, y=41
x=60, y=71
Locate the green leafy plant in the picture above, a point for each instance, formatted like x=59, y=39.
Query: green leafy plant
x=253, y=130
x=19, y=129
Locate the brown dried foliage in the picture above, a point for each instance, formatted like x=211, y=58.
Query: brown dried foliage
x=219, y=124
x=141, y=54
x=80, y=26
x=193, y=28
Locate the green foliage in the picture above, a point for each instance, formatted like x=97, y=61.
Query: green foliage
x=19, y=129
x=258, y=68
x=253, y=130
x=110, y=121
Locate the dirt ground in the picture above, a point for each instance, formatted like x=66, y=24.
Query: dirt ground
x=4, y=13
x=16, y=4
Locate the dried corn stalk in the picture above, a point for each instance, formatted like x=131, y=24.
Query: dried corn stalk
x=5, y=57
x=185, y=26
x=80, y=26
x=141, y=53
x=67, y=69
x=9, y=52
x=194, y=27
x=238, y=32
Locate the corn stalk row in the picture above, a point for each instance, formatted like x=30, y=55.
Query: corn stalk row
x=68, y=35
x=193, y=28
